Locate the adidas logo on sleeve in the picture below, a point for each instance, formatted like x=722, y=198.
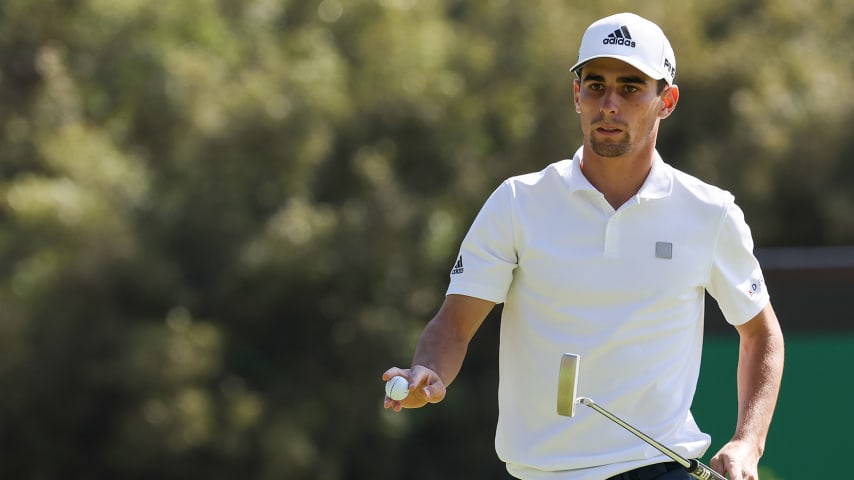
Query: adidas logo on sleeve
x=458, y=267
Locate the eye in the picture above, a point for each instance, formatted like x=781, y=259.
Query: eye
x=596, y=87
x=631, y=89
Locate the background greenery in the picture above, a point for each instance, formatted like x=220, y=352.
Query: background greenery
x=810, y=430
x=221, y=220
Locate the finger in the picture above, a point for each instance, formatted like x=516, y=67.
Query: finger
x=395, y=372
x=392, y=404
x=716, y=464
x=419, y=377
x=730, y=468
x=435, y=392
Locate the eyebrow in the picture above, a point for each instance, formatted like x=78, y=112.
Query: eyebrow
x=629, y=80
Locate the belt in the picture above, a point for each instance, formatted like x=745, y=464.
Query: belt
x=648, y=472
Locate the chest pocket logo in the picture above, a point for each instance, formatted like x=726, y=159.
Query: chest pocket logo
x=664, y=250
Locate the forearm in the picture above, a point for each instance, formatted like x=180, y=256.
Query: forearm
x=760, y=370
x=444, y=342
x=440, y=351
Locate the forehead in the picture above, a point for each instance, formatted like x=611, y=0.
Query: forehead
x=606, y=67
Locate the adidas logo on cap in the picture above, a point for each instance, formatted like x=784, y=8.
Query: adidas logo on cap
x=621, y=36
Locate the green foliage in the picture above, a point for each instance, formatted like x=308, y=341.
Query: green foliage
x=221, y=220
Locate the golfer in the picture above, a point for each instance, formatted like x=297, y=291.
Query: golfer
x=608, y=255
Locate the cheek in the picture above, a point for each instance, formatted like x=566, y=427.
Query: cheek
x=645, y=112
x=587, y=107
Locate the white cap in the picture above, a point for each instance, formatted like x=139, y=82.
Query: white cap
x=632, y=39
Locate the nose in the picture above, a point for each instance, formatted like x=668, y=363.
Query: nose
x=610, y=103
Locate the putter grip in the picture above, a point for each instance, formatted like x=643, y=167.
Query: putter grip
x=699, y=470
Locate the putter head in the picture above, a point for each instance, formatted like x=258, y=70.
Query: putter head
x=567, y=384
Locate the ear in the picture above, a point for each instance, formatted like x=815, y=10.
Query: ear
x=576, y=85
x=669, y=99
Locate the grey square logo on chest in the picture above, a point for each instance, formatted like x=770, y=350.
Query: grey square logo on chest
x=663, y=250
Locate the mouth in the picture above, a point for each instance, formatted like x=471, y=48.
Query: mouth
x=608, y=130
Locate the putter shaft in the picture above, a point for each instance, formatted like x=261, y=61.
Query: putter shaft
x=694, y=467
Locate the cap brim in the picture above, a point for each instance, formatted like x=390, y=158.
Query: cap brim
x=630, y=60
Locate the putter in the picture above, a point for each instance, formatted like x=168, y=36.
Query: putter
x=566, y=400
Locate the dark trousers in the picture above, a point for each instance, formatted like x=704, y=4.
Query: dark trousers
x=657, y=471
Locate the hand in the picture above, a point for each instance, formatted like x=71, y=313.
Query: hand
x=739, y=459
x=425, y=386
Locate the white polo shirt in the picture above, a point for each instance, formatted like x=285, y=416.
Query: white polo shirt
x=625, y=290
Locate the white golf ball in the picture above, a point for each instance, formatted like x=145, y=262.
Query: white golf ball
x=397, y=388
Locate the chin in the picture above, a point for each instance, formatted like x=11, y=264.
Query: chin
x=610, y=150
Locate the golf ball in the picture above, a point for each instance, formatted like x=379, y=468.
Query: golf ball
x=397, y=388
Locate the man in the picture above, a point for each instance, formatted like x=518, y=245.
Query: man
x=608, y=256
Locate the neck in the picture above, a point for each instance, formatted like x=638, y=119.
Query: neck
x=618, y=178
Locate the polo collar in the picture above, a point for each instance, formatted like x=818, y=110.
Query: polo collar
x=658, y=184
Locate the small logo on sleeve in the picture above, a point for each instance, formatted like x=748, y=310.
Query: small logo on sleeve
x=755, y=287
x=458, y=267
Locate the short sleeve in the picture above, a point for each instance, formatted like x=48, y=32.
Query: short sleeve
x=487, y=256
x=736, y=277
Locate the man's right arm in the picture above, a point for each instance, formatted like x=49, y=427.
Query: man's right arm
x=440, y=351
